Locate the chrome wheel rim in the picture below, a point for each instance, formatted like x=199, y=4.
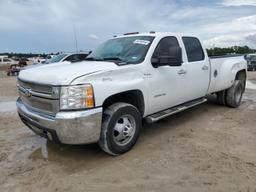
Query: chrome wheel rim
x=124, y=130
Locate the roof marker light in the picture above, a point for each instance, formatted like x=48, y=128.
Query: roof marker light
x=131, y=33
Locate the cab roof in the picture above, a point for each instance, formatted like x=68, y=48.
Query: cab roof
x=153, y=34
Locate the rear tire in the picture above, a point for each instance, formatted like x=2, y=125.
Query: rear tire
x=120, y=128
x=235, y=93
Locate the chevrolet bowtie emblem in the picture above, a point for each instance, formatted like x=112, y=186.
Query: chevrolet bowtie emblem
x=28, y=93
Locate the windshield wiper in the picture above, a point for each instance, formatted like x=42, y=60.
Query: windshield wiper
x=112, y=58
x=92, y=59
x=117, y=60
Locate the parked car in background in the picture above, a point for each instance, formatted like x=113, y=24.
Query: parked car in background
x=4, y=60
x=48, y=57
x=14, y=69
x=251, y=62
x=71, y=57
x=64, y=57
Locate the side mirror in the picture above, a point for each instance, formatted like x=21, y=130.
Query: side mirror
x=174, y=58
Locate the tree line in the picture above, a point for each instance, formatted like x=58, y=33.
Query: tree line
x=217, y=51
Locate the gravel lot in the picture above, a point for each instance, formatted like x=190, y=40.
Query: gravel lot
x=207, y=148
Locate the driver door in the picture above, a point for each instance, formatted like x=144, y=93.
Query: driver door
x=167, y=84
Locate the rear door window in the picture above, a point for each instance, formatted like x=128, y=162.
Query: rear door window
x=193, y=48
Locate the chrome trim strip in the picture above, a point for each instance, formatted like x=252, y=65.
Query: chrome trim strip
x=36, y=93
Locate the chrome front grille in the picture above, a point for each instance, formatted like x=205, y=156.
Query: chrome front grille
x=41, y=98
x=47, y=89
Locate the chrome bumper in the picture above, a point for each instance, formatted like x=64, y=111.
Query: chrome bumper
x=70, y=127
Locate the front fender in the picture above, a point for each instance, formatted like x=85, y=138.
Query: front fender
x=113, y=82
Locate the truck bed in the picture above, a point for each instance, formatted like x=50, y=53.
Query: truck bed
x=220, y=77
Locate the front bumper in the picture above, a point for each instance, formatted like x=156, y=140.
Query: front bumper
x=70, y=127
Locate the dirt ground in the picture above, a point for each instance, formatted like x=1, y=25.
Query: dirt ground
x=207, y=148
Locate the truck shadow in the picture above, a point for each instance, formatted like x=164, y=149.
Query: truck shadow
x=86, y=157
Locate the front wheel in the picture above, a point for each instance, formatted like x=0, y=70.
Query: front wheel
x=120, y=128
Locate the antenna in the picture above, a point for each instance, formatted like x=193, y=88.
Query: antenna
x=75, y=38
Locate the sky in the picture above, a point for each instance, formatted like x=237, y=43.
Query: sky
x=39, y=26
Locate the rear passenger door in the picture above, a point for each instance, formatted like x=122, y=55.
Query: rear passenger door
x=198, y=69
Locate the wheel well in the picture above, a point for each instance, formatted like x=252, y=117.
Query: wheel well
x=133, y=97
x=241, y=75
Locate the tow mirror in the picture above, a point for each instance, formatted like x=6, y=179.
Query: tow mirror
x=174, y=58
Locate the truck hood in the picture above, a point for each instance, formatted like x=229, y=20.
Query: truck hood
x=64, y=73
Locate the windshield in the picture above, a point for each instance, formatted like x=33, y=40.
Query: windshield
x=56, y=58
x=124, y=50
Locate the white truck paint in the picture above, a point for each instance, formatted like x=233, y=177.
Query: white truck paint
x=161, y=87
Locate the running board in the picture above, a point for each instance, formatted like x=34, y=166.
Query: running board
x=162, y=114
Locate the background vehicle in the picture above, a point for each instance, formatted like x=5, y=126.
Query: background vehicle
x=125, y=80
x=71, y=57
x=251, y=62
x=65, y=57
x=4, y=60
x=14, y=69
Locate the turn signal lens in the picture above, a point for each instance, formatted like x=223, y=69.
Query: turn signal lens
x=89, y=97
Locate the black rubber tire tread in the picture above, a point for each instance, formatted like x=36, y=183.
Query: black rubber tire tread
x=230, y=96
x=221, y=98
x=109, y=118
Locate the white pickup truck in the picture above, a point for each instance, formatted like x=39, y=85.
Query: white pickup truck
x=127, y=79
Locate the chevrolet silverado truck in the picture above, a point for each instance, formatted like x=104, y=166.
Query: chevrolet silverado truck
x=127, y=79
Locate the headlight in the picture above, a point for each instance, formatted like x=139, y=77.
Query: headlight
x=76, y=97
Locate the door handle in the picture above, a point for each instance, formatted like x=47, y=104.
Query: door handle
x=182, y=72
x=205, y=67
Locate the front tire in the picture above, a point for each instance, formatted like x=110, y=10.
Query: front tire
x=120, y=128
